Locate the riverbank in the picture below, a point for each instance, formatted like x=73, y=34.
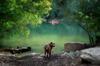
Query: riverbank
x=36, y=59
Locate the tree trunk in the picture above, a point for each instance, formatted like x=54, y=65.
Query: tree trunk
x=91, y=40
x=97, y=41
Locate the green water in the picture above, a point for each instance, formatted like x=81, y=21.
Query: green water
x=38, y=41
x=45, y=33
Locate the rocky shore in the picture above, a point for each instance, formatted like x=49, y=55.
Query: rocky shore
x=74, y=54
x=34, y=59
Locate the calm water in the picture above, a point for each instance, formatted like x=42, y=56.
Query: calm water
x=45, y=33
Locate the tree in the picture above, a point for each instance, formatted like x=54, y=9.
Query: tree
x=88, y=17
x=15, y=15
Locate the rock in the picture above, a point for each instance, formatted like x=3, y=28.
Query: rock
x=73, y=46
x=35, y=59
x=71, y=54
x=92, y=55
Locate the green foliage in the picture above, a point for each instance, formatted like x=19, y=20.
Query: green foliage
x=17, y=14
x=89, y=14
x=89, y=17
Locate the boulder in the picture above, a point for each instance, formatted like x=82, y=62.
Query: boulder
x=73, y=47
x=91, y=54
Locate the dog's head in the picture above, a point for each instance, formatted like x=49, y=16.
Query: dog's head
x=52, y=44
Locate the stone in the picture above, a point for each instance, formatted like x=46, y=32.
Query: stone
x=73, y=47
x=91, y=54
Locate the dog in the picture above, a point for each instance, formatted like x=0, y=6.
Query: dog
x=48, y=49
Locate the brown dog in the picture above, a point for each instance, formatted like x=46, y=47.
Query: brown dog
x=48, y=49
